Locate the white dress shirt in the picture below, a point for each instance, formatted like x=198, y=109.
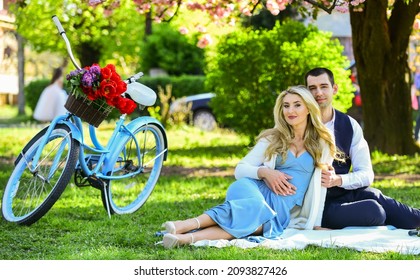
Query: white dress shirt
x=361, y=174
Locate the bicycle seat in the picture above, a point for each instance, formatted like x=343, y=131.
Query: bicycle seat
x=141, y=94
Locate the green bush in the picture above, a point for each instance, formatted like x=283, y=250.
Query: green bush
x=171, y=51
x=251, y=67
x=33, y=91
x=181, y=86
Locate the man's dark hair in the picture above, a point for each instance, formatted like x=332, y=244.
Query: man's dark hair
x=318, y=72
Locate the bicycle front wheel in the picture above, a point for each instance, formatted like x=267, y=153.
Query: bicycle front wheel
x=142, y=156
x=32, y=191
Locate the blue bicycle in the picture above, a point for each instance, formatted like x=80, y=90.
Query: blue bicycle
x=125, y=170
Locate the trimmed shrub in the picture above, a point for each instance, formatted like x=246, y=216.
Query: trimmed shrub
x=181, y=86
x=33, y=91
x=251, y=67
x=171, y=51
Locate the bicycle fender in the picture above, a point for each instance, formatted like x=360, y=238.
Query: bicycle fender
x=147, y=120
x=75, y=132
x=122, y=137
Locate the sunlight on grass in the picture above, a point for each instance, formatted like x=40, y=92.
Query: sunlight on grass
x=395, y=164
x=9, y=115
x=78, y=227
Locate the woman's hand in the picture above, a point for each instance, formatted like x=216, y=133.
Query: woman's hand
x=277, y=181
x=329, y=179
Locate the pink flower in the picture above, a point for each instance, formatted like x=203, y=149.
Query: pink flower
x=201, y=29
x=95, y=2
x=416, y=25
x=204, y=41
x=183, y=30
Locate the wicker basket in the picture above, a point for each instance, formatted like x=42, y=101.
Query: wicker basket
x=89, y=111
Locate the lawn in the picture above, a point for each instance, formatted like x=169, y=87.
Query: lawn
x=195, y=177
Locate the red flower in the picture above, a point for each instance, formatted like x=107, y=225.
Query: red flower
x=107, y=71
x=124, y=105
x=101, y=83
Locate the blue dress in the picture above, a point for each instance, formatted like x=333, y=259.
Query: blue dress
x=250, y=203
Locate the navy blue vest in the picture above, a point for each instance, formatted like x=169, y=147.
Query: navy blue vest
x=343, y=132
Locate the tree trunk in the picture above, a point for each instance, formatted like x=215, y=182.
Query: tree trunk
x=21, y=75
x=148, y=24
x=380, y=44
x=89, y=54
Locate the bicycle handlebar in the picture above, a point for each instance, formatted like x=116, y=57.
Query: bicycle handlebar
x=63, y=34
x=135, y=77
x=58, y=24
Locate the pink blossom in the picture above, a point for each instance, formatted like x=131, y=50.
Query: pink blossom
x=273, y=7
x=246, y=11
x=344, y=7
x=416, y=25
x=195, y=6
x=204, y=41
x=183, y=30
x=95, y=2
x=201, y=29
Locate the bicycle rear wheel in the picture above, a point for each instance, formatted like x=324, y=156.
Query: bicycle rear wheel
x=30, y=194
x=145, y=153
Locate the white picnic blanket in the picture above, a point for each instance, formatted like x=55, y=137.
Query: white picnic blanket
x=373, y=239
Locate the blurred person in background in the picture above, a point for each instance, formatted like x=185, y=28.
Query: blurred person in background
x=52, y=99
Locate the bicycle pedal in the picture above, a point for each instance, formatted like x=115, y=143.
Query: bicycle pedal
x=96, y=182
x=80, y=180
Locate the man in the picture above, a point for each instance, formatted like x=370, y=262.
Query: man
x=350, y=201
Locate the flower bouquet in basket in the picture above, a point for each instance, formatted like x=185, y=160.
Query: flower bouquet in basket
x=95, y=91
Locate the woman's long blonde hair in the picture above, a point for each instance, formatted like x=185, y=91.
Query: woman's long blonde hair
x=281, y=135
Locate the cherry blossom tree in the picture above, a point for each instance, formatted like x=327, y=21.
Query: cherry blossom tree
x=381, y=31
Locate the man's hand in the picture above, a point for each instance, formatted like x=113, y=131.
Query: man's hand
x=321, y=228
x=329, y=179
x=277, y=181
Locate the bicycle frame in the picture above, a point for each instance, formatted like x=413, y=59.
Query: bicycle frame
x=120, y=133
x=125, y=169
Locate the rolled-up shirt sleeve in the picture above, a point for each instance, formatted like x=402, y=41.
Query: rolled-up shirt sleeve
x=361, y=174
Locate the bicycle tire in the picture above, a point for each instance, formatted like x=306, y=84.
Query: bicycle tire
x=124, y=196
x=29, y=195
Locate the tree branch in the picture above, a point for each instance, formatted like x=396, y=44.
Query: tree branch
x=255, y=6
x=321, y=6
x=179, y=2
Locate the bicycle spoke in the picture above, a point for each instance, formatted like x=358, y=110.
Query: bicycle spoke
x=52, y=150
x=153, y=159
x=31, y=192
x=140, y=161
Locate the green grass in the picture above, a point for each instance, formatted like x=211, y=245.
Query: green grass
x=9, y=115
x=196, y=175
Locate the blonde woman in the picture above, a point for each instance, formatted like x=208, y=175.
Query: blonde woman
x=278, y=182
